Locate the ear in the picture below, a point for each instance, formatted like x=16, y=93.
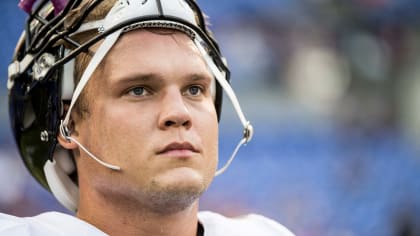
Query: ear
x=62, y=140
x=66, y=143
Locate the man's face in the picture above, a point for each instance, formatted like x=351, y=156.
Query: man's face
x=151, y=113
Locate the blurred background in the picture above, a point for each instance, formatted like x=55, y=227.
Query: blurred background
x=333, y=90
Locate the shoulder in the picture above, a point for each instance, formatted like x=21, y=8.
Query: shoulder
x=50, y=223
x=215, y=224
x=11, y=225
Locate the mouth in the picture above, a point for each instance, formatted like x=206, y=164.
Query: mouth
x=179, y=150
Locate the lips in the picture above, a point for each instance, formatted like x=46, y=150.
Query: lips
x=178, y=149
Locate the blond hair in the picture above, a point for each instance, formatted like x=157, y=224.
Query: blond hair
x=81, y=106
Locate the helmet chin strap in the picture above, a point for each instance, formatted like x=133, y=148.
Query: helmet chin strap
x=65, y=134
x=96, y=60
x=221, y=78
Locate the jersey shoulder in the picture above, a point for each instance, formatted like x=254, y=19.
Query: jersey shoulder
x=12, y=225
x=45, y=224
x=252, y=224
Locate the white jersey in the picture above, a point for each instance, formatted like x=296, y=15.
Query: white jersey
x=217, y=225
x=59, y=224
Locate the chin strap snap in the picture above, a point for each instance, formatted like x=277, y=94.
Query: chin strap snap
x=248, y=133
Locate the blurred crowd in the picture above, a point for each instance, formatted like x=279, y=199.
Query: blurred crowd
x=333, y=90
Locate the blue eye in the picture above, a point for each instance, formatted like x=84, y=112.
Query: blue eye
x=138, y=91
x=194, y=90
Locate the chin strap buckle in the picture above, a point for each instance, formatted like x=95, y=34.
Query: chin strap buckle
x=64, y=131
x=248, y=132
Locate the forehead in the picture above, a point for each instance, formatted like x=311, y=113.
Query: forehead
x=154, y=51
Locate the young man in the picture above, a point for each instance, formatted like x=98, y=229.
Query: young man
x=115, y=108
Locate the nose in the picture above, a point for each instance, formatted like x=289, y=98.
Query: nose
x=174, y=112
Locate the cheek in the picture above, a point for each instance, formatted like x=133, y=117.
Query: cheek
x=120, y=130
x=208, y=129
x=128, y=118
x=210, y=134
x=211, y=151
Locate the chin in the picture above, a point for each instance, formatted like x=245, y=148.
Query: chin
x=176, y=190
x=182, y=177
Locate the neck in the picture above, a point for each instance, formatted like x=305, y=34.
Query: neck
x=125, y=218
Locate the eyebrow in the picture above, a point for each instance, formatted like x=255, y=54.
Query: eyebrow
x=199, y=77
x=136, y=78
x=156, y=78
